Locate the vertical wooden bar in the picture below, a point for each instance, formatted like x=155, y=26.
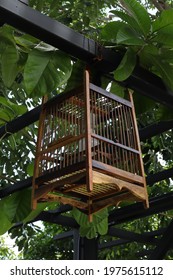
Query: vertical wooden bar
x=38, y=148
x=100, y=128
x=89, y=178
x=146, y=203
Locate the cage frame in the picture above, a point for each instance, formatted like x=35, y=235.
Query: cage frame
x=95, y=172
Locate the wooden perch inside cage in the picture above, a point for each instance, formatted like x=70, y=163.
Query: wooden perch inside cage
x=88, y=151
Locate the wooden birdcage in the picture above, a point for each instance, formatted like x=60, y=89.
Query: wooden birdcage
x=88, y=151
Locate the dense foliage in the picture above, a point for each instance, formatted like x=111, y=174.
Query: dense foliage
x=30, y=68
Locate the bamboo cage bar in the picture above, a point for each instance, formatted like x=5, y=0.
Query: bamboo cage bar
x=88, y=151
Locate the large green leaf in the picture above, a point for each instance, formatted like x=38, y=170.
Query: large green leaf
x=99, y=225
x=6, y=37
x=140, y=15
x=142, y=103
x=145, y=53
x=117, y=89
x=77, y=75
x=5, y=224
x=126, y=66
x=165, y=70
x=163, y=21
x=110, y=30
x=127, y=36
x=164, y=36
x=26, y=42
x=18, y=206
x=34, y=213
x=45, y=71
x=5, y=115
x=40, y=207
x=14, y=208
x=14, y=108
x=162, y=28
x=8, y=58
x=128, y=19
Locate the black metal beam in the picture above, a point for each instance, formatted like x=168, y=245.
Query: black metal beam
x=52, y=218
x=157, y=177
x=136, y=211
x=118, y=242
x=26, y=19
x=20, y=122
x=21, y=185
x=155, y=129
x=54, y=33
x=165, y=243
x=132, y=236
x=113, y=243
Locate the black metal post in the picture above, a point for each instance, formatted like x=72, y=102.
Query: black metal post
x=88, y=249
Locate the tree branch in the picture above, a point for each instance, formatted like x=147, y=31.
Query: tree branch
x=161, y=5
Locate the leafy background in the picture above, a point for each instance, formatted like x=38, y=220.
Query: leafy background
x=30, y=69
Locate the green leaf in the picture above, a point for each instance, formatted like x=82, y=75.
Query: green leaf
x=140, y=15
x=163, y=21
x=9, y=59
x=40, y=207
x=92, y=229
x=45, y=71
x=34, y=213
x=117, y=89
x=142, y=103
x=12, y=107
x=5, y=116
x=128, y=19
x=127, y=36
x=167, y=55
x=30, y=169
x=163, y=28
x=6, y=37
x=165, y=70
x=164, y=113
x=5, y=222
x=26, y=41
x=18, y=205
x=164, y=37
x=126, y=66
x=145, y=54
x=110, y=30
x=12, y=142
x=76, y=78
x=39, y=5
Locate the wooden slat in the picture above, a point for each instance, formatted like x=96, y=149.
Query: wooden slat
x=117, y=173
x=51, y=175
x=110, y=95
x=66, y=200
x=139, y=148
x=38, y=147
x=114, y=200
x=62, y=142
x=114, y=143
x=88, y=133
x=44, y=189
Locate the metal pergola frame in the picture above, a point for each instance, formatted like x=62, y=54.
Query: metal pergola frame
x=17, y=14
